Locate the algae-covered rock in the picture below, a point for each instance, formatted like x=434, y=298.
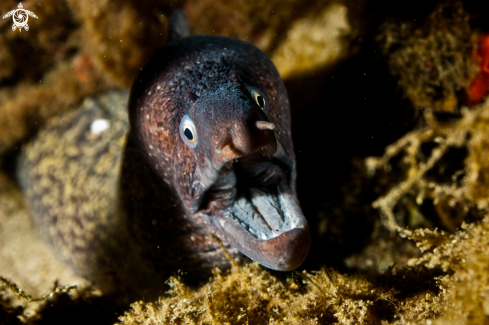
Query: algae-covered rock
x=252, y=295
x=73, y=50
x=425, y=199
x=432, y=59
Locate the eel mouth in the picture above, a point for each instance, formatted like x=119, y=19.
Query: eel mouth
x=253, y=206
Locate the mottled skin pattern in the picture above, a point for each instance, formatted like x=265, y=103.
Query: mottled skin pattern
x=70, y=177
x=127, y=206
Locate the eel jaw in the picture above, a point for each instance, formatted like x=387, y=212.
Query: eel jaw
x=285, y=250
x=252, y=206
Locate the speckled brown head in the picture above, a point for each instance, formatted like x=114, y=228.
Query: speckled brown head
x=213, y=116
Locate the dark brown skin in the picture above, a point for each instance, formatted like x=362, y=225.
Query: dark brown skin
x=236, y=179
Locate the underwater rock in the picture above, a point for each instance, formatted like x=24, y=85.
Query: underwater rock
x=313, y=42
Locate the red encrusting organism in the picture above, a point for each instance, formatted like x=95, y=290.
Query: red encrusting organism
x=479, y=87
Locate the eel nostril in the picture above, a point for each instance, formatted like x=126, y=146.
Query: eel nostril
x=224, y=141
x=244, y=138
x=263, y=125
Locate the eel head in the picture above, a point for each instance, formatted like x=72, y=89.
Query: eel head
x=224, y=145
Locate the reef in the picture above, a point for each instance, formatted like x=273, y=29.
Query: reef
x=391, y=133
x=446, y=283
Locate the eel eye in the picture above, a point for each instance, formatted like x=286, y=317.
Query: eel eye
x=259, y=97
x=188, y=132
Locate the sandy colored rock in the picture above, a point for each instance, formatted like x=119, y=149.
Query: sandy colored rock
x=314, y=42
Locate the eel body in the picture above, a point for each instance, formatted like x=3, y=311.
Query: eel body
x=204, y=149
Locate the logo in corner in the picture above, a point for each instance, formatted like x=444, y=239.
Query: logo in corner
x=20, y=17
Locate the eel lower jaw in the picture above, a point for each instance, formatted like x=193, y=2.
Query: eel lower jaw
x=255, y=210
x=276, y=243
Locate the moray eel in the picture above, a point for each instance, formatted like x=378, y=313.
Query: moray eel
x=206, y=149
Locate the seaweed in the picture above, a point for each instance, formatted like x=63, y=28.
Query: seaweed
x=433, y=59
